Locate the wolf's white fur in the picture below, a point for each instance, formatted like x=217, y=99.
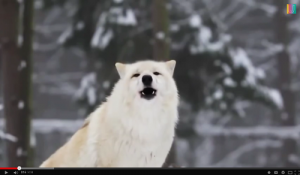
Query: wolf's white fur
x=127, y=130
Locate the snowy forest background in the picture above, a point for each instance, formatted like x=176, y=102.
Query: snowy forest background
x=238, y=74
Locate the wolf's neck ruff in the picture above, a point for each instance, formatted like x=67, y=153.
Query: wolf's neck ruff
x=143, y=122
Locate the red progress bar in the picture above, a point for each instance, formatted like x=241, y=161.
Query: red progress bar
x=8, y=168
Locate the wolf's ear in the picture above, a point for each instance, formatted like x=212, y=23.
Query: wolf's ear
x=171, y=66
x=121, y=69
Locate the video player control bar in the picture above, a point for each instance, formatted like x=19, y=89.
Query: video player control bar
x=96, y=171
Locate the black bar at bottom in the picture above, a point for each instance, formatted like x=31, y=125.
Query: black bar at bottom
x=196, y=171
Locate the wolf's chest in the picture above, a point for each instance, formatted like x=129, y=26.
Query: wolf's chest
x=131, y=153
x=140, y=146
x=138, y=141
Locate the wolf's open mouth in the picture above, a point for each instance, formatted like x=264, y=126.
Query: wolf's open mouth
x=148, y=93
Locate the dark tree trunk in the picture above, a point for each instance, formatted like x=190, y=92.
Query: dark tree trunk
x=289, y=149
x=26, y=73
x=9, y=14
x=16, y=67
x=160, y=19
x=161, y=50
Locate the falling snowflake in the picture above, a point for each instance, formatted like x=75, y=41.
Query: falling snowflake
x=160, y=35
x=21, y=104
x=22, y=65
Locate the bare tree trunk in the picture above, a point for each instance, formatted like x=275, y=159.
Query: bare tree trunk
x=160, y=19
x=289, y=151
x=9, y=15
x=26, y=72
x=16, y=78
x=161, y=50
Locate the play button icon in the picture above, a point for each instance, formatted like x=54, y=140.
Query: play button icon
x=5, y=172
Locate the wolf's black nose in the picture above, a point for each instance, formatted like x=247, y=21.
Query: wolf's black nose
x=147, y=80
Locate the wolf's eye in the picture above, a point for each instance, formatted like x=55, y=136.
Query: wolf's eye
x=156, y=73
x=135, y=75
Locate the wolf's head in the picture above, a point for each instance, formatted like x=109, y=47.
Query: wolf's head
x=148, y=80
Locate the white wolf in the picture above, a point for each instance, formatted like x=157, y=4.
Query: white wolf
x=134, y=128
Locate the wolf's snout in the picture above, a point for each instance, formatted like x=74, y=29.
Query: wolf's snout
x=148, y=92
x=147, y=80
